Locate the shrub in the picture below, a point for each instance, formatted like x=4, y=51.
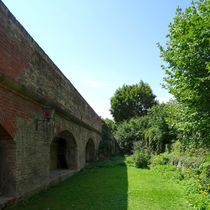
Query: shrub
x=198, y=201
x=129, y=160
x=166, y=171
x=161, y=159
x=193, y=175
x=140, y=159
x=129, y=132
x=159, y=133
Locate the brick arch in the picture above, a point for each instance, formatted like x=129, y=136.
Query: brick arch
x=95, y=139
x=7, y=163
x=90, y=151
x=7, y=126
x=63, y=151
x=4, y=134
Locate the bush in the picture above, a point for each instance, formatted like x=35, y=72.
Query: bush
x=198, y=185
x=129, y=160
x=129, y=132
x=159, y=133
x=140, y=159
x=198, y=201
x=161, y=159
x=166, y=171
x=194, y=175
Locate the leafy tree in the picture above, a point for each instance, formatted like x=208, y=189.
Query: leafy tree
x=187, y=54
x=151, y=133
x=192, y=127
x=132, y=101
x=129, y=132
x=159, y=132
x=110, y=124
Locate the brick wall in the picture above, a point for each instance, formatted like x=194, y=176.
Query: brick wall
x=29, y=80
x=13, y=106
x=22, y=61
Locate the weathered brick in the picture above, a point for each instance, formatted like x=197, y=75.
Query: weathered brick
x=29, y=81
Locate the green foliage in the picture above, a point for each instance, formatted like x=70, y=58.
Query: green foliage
x=105, y=144
x=192, y=127
x=187, y=54
x=110, y=184
x=132, y=101
x=198, y=201
x=161, y=159
x=192, y=169
x=159, y=132
x=129, y=132
x=152, y=132
x=198, y=185
x=195, y=183
x=182, y=158
x=129, y=160
x=141, y=156
x=140, y=159
x=110, y=124
x=168, y=172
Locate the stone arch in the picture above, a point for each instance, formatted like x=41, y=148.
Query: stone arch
x=7, y=125
x=63, y=152
x=7, y=163
x=90, y=151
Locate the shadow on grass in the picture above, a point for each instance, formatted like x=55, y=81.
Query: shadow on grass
x=100, y=186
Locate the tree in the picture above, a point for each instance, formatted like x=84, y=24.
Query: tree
x=132, y=101
x=192, y=128
x=159, y=132
x=151, y=132
x=187, y=54
x=129, y=132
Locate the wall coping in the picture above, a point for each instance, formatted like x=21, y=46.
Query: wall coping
x=41, y=51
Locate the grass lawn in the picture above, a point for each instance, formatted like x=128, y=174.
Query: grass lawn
x=110, y=185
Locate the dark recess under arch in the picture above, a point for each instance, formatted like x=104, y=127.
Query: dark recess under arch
x=90, y=151
x=7, y=164
x=63, y=152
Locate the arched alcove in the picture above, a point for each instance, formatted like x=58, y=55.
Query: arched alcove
x=90, y=151
x=63, y=152
x=7, y=164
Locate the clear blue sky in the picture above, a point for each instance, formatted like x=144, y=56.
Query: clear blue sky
x=101, y=44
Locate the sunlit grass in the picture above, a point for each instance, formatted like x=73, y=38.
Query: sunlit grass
x=110, y=185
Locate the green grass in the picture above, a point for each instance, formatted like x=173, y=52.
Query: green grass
x=110, y=185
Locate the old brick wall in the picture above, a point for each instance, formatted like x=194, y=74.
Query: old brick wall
x=7, y=166
x=29, y=81
x=17, y=116
x=25, y=63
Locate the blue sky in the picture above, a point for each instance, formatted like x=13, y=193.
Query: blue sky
x=101, y=44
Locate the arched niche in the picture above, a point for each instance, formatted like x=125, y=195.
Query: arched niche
x=90, y=151
x=7, y=164
x=63, y=152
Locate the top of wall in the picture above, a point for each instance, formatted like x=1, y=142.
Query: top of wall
x=29, y=59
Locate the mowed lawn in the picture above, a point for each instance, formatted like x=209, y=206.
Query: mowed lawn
x=110, y=185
